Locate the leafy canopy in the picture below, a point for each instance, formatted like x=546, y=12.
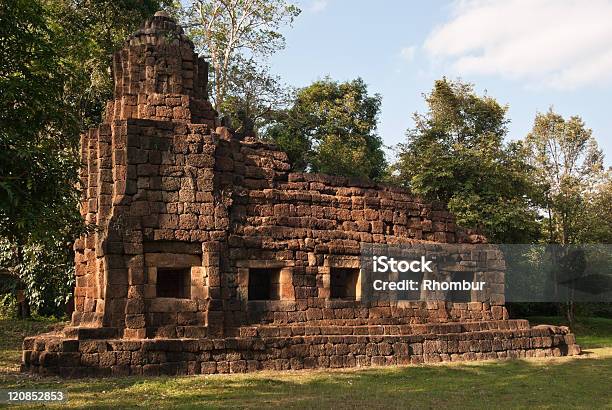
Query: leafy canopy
x=229, y=32
x=456, y=154
x=38, y=129
x=331, y=128
x=570, y=174
x=55, y=75
x=253, y=96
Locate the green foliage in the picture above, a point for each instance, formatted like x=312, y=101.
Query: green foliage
x=231, y=33
x=38, y=154
x=297, y=145
x=570, y=175
x=253, y=96
x=331, y=128
x=38, y=134
x=571, y=179
x=45, y=270
x=55, y=76
x=456, y=154
x=595, y=219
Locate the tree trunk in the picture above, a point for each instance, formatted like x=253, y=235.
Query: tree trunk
x=570, y=313
x=550, y=225
x=23, y=304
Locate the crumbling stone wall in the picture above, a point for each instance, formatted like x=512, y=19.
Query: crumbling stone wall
x=182, y=190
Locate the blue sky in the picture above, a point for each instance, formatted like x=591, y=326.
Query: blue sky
x=529, y=54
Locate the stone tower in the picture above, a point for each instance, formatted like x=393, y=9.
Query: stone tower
x=160, y=88
x=158, y=76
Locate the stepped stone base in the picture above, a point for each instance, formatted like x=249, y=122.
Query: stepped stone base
x=295, y=348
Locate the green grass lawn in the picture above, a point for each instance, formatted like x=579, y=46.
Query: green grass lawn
x=545, y=383
x=12, y=333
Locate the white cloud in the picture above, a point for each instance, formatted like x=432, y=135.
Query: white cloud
x=555, y=43
x=407, y=53
x=318, y=6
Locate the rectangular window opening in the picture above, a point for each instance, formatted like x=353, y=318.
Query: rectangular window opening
x=411, y=294
x=264, y=284
x=173, y=283
x=460, y=295
x=343, y=283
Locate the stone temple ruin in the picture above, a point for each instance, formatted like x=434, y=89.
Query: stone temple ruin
x=212, y=257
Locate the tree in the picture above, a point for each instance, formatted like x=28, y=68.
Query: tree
x=456, y=154
x=226, y=29
x=331, y=128
x=253, y=96
x=569, y=166
x=569, y=171
x=38, y=133
x=52, y=50
x=594, y=224
x=38, y=129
